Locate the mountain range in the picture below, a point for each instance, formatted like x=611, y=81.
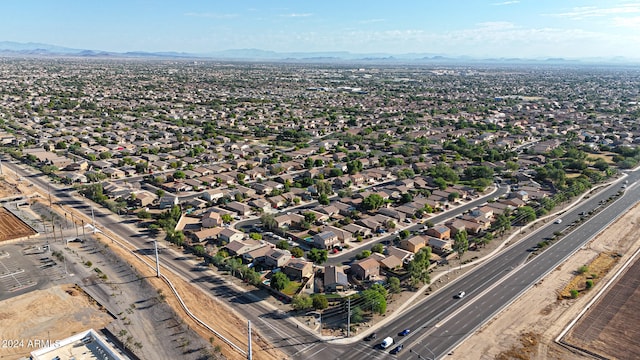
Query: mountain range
x=10, y=48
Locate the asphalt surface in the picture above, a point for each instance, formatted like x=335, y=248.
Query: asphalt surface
x=438, y=323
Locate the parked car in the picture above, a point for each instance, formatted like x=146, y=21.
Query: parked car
x=397, y=349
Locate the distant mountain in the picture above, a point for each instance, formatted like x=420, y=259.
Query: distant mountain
x=10, y=48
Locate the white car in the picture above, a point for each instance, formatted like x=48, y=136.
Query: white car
x=460, y=295
x=558, y=221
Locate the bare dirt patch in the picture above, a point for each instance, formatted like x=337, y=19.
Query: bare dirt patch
x=540, y=312
x=222, y=318
x=56, y=313
x=11, y=227
x=610, y=327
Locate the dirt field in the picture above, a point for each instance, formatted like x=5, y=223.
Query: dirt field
x=527, y=328
x=11, y=227
x=610, y=328
x=56, y=313
x=204, y=307
x=219, y=316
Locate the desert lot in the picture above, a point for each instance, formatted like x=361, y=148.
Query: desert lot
x=31, y=320
x=527, y=329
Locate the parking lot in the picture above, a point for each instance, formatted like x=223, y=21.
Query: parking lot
x=28, y=267
x=13, y=273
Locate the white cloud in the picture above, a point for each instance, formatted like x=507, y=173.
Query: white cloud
x=585, y=12
x=371, y=21
x=496, y=25
x=627, y=22
x=294, y=15
x=211, y=15
x=506, y=3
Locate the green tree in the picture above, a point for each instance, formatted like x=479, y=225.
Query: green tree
x=418, y=268
x=378, y=248
x=318, y=256
x=357, y=315
x=301, y=302
x=282, y=244
x=525, y=214
x=363, y=255
x=179, y=174
x=226, y=218
x=461, y=243
x=394, y=285
x=269, y=221
x=199, y=250
x=323, y=199
x=297, y=252
x=320, y=302
x=309, y=217
x=372, y=202
x=279, y=281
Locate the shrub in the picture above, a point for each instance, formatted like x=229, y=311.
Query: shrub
x=574, y=293
x=583, y=269
x=589, y=284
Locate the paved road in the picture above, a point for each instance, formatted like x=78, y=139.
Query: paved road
x=440, y=322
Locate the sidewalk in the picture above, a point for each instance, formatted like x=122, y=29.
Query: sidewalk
x=411, y=302
x=353, y=246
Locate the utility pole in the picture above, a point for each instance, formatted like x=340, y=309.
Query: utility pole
x=75, y=224
x=155, y=243
x=249, y=356
x=348, y=317
x=93, y=221
x=84, y=236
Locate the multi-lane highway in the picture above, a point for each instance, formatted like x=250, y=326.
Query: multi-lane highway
x=439, y=322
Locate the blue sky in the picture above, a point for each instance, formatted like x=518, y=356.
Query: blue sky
x=487, y=28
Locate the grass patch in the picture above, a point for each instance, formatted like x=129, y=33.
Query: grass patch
x=292, y=288
x=608, y=157
x=592, y=272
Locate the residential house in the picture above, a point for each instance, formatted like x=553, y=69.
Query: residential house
x=440, y=232
x=168, y=201
x=440, y=246
x=298, y=269
x=325, y=240
x=413, y=244
x=343, y=235
x=237, y=248
x=366, y=269
x=356, y=230
x=404, y=255
x=205, y=235
x=257, y=255
x=334, y=279
x=144, y=198
x=211, y=219
x=391, y=262
x=239, y=208
x=213, y=195
x=277, y=258
x=261, y=204
x=228, y=235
